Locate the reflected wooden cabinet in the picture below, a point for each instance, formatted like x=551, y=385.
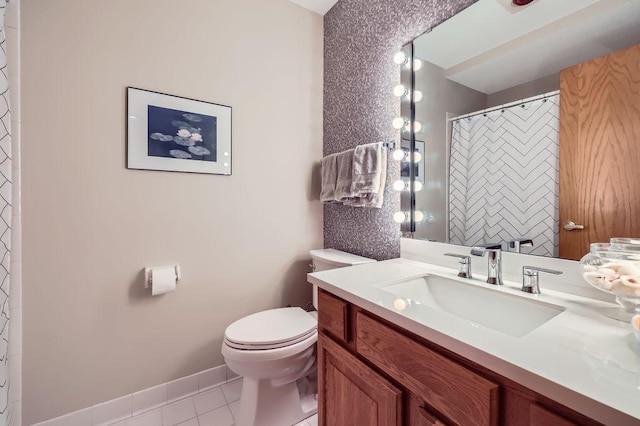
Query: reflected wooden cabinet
x=371, y=372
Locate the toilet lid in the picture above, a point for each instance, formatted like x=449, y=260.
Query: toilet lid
x=271, y=329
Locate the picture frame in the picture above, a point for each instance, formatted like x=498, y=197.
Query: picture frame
x=177, y=134
x=419, y=170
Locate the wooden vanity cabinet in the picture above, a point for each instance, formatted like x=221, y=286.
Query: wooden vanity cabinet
x=371, y=372
x=352, y=393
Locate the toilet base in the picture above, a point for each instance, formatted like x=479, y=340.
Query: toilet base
x=278, y=405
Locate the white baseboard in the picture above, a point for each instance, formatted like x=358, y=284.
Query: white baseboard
x=145, y=400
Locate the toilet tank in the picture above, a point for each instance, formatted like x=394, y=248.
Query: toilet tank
x=323, y=259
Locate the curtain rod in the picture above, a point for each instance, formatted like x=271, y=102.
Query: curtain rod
x=507, y=105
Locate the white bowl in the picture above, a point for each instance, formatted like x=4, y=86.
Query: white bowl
x=635, y=323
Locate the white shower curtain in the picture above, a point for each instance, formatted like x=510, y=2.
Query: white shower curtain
x=5, y=222
x=504, y=177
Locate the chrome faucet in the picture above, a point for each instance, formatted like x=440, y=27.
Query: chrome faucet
x=464, y=265
x=530, y=278
x=515, y=244
x=494, y=261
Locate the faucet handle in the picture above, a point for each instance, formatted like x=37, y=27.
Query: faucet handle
x=481, y=249
x=516, y=243
x=464, y=264
x=530, y=278
x=521, y=241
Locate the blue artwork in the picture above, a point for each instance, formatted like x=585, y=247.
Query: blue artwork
x=181, y=134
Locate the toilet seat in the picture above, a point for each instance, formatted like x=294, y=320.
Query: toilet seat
x=271, y=329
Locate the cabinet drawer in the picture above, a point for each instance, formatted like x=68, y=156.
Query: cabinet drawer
x=458, y=394
x=421, y=415
x=540, y=416
x=333, y=315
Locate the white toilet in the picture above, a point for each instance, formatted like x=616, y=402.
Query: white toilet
x=275, y=352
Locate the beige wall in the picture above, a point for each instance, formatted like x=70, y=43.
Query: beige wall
x=91, y=333
x=525, y=90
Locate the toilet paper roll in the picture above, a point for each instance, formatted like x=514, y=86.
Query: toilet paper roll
x=163, y=280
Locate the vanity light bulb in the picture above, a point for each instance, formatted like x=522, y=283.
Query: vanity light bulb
x=418, y=216
x=417, y=186
x=398, y=155
x=417, y=96
x=416, y=156
x=399, y=217
x=417, y=126
x=400, y=90
x=417, y=64
x=399, y=185
x=398, y=123
x=400, y=58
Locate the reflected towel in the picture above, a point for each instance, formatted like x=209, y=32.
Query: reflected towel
x=329, y=177
x=344, y=182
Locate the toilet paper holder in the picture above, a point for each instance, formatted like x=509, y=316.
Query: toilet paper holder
x=147, y=274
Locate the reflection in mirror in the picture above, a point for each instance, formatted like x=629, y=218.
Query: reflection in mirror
x=491, y=132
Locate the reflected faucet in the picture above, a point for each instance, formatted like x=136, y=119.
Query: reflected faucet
x=515, y=244
x=494, y=261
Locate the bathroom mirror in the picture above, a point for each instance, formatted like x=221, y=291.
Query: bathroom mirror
x=488, y=124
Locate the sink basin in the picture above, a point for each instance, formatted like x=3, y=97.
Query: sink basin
x=506, y=313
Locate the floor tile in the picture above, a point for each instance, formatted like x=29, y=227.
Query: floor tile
x=232, y=391
x=220, y=417
x=192, y=422
x=209, y=400
x=151, y=418
x=313, y=420
x=178, y=412
x=302, y=423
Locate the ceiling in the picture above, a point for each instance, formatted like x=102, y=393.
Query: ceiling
x=318, y=6
x=492, y=46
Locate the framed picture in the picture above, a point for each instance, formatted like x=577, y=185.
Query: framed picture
x=419, y=170
x=176, y=134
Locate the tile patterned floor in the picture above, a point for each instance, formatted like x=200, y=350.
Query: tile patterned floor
x=213, y=407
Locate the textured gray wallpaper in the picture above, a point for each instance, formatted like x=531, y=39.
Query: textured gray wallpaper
x=360, y=38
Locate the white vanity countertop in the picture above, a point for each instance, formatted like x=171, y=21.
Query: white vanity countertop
x=580, y=358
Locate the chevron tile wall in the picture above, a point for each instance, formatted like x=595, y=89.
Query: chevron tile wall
x=504, y=177
x=5, y=223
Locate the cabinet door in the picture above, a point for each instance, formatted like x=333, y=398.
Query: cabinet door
x=351, y=393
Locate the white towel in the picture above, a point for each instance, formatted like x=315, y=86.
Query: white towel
x=329, y=177
x=375, y=198
x=344, y=181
